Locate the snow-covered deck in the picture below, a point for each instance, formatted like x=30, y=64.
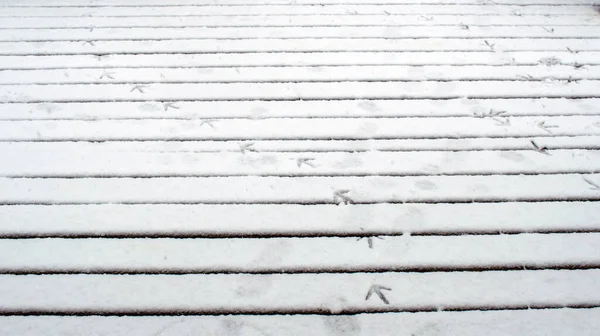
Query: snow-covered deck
x=305, y=167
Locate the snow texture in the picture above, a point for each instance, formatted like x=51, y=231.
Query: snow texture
x=299, y=167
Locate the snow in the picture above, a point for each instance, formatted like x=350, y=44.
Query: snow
x=107, y=61
x=256, y=110
x=563, y=322
x=301, y=74
x=304, y=190
x=296, y=10
x=306, y=147
x=423, y=163
x=323, y=292
x=243, y=220
x=58, y=34
x=297, y=91
x=301, y=167
x=298, y=45
x=177, y=3
x=274, y=255
x=245, y=130
x=298, y=20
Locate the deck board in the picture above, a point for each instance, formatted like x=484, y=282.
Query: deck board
x=297, y=293
x=494, y=323
x=325, y=220
x=163, y=163
x=296, y=255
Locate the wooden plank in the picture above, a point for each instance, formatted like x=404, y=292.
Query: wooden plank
x=583, y=322
x=297, y=129
x=244, y=293
x=282, y=255
x=307, y=147
x=298, y=10
x=423, y=163
x=293, y=45
x=299, y=20
x=171, y=220
x=480, y=108
x=112, y=34
x=140, y=3
x=580, y=59
x=296, y=91
x=302, y=190
x=92, y=207
x=298, y=74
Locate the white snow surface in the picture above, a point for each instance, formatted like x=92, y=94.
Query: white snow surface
x=300, y=167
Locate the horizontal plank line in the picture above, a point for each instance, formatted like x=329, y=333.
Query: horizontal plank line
x=316, y=270
x=529, y=96
x=226, y=235
x=307, y=174
x=292, y=6
x=538, y=174
x=322, y=311
x=549, y=148
x=309, y=26
x=189, y=139
x=288, y=14
x=174, y=52
x=248, y=3
x=523, y=15
x=366, y=116
x=156, y=45
x=328, y=146
x=109, y=67
x=342, y=27
x=563, y=51
x=142, y=177
x=337, y=52
x=182, y=52
x=502, y=101
x=337, y=21
x=472, y=37
x=565, y=79
x=566, y=4
x=303, y=20
x=316, y=9
x=302, y=202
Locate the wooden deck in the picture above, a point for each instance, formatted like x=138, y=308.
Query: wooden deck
x=304, y=167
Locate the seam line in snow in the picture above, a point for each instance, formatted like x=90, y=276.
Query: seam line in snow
x=470, y=37
x=246, y=99
x=190, y=139
x=275, y=234
x=291, y=175
x=316, y=5
x=583, y=24
x=318, y=202
x=280, y=270
x=554, y=79
x=298, y=311
x=583, y=15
